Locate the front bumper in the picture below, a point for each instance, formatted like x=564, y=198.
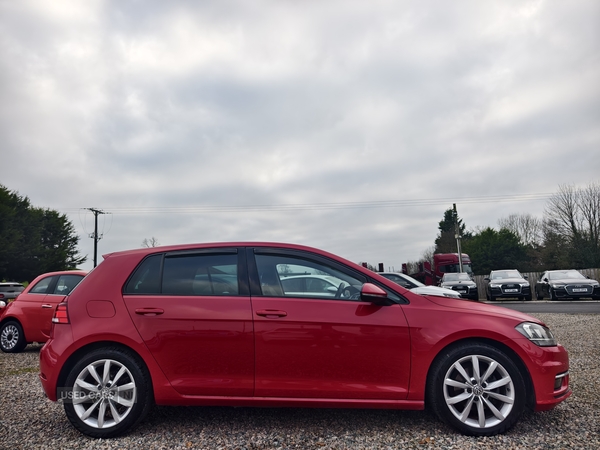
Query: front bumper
x=549, y=371
x=574, y=292
x=510, y=290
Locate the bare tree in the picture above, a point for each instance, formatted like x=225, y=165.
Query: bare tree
x=572, y=217
x=152, y=242
x=428, y=255
x=527, y=227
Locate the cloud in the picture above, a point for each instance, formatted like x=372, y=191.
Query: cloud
x=229, y=104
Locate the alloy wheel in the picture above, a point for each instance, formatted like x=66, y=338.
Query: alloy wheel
x=104, y=393
x=479, y=391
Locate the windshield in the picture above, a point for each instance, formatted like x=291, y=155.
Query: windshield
x=562, y=274
x=502, y=274
x=457, y=277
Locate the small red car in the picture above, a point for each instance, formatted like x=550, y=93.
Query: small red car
x=29, y=317
x=218, y=324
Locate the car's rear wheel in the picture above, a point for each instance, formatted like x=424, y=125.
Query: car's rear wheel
x=12, y=338
x=477, y=389
x=108, y=392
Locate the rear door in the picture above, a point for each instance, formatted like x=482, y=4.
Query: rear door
x=315, y=346
x=192, y=309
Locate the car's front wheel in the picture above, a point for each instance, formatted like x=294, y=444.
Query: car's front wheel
x=107, y=392
x=12, y=338
x=552, y=294
x=477, y=389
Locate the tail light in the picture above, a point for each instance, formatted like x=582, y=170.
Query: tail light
x=61, y=315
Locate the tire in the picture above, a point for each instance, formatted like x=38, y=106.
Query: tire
x=12, y=338
x=91, y=403
x=552, y=294
x=539, y=295
x=470, y=405
x=528, y=298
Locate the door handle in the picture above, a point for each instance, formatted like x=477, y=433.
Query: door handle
x=46, y=306
x=271, y=313
x=149, y=311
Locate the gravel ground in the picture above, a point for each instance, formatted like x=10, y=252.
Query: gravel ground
x=28, y=420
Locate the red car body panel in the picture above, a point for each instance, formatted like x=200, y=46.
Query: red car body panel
x=34, y=311
x=271, y=351
x=331, y=349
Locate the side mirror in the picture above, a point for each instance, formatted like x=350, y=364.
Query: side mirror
x=525, y=276
x=545, y=280
x=486, y=279
x=374, y=294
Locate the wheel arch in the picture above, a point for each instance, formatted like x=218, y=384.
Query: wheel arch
x=76, y=356
x=510, y=353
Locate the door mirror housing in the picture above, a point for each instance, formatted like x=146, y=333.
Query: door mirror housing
x=374, y=294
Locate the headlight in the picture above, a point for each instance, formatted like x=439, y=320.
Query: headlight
x=524, y=284
x=558, y=286
x=537, y=334
x=495, y=285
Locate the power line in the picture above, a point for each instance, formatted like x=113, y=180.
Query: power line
x=133, y=210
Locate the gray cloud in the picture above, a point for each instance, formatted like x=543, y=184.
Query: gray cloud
x=124, y=105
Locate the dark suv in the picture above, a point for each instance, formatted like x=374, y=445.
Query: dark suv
x=461, y=283
x=507, y=283
x=566, y=284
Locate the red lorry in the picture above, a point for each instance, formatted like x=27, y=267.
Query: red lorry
x=442, y=263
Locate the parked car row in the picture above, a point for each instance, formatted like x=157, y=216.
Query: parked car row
x=552, y=284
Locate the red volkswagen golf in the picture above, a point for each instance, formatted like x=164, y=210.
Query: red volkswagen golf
x=217, y=324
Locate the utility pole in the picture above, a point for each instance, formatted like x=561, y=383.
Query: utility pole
x=458, y=237
x=94, y=235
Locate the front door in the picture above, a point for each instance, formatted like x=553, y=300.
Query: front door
x=326, y=344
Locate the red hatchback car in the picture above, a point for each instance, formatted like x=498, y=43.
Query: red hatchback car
x=29, y=317
x=213, y=324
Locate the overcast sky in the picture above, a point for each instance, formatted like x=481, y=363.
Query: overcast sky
x=345, y=125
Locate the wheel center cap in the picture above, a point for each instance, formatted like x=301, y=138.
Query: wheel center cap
x=105, y=393
x=478, y=390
